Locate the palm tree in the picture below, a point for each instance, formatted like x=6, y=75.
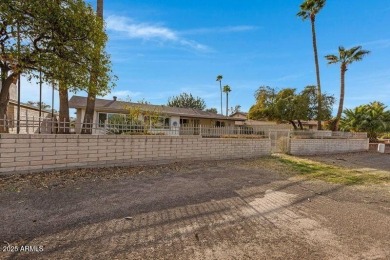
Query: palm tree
x=309, y=9
x=227, y=89
x=219, y=78
x=345, y=58
x=372, y=118
x=91, y=99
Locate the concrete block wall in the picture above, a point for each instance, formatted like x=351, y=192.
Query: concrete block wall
x=327, y=146
x=24, y=152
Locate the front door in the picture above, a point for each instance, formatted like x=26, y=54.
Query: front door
x=196, y=124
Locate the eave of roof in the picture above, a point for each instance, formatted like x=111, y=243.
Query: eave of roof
x=13, y=102
x=104, y=105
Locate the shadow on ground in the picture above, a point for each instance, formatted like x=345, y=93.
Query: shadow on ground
x=219, y=210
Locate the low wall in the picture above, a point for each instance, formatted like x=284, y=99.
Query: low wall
x=45, y=152
x=374, y=147
x=327, y=146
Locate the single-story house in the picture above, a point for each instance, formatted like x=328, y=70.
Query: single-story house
x=242, y=119
x=310, y=124
x=165, y=117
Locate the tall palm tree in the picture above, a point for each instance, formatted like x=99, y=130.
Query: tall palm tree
x=227, y=89
x=219, y=78
x=91, y=99
x=345, y=58
x=309, y=9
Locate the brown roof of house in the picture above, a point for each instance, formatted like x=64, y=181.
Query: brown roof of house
x=120, y=106
x=25, y=105
x=239, y=113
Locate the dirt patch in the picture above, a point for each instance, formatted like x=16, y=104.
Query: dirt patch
x=240, y=209
x=363, y=160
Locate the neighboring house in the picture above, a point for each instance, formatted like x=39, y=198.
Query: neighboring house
x=249, y=122
x=108, y=111
x=29, y=116
x=311, y=124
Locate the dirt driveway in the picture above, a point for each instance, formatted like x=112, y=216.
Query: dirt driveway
x=241, y=209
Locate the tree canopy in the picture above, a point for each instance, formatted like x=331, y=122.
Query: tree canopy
x=372, y=118
x=56, y=37
x=287, y=105
x=235, y=109
x=187, y=101
x=212, y=110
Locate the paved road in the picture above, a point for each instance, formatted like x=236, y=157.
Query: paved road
x=242, y=209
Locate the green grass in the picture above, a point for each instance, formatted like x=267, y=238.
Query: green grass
x=334, y=174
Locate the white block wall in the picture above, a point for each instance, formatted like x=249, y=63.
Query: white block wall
x=20, y=153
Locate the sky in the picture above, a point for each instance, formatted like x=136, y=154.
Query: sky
x=161, y=48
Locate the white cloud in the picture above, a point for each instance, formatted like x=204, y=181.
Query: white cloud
x=380, y=44
x=227, y=29
x=146, y=31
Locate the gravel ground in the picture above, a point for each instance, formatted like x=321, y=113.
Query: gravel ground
x=241, y=209
x=363, y=160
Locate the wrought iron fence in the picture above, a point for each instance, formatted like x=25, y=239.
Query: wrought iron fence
x=35, y=125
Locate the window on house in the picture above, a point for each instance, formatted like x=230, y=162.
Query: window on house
x=102, y=119
x=184, y=121
x=111, y=118
x=162, y=121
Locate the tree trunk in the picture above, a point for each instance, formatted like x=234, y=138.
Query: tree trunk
x=227, y=103
x=4, y=99
x=319, y=95
x=343, y=69
x=99, y=9
x=300, y=124
x=90, y=109
x=220, y=87
x=63, y=121
x=294, y=125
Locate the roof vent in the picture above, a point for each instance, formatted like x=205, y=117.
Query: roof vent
x=114, y=97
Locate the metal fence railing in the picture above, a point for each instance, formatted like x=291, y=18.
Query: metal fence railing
x=36, y=125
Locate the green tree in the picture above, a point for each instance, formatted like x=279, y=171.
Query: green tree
x=219, y=78
x=372, y=118
x=309, y=10
x=310, y=96
x=56, y=38
x=345, y=58
x=187, y=101
x=212, y=110
x=264, y=108
x=287, y=105
x=227, y=90
x=235, y=109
